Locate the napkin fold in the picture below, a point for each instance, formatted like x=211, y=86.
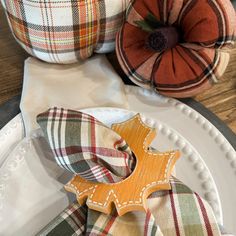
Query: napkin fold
x=83, y=145
x=92, y=83
x=178, y=211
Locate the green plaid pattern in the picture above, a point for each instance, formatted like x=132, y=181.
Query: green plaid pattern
x=71, y=221
x=179, y=212
x=83, y=145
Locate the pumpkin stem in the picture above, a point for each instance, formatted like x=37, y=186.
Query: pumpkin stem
x=162, y=38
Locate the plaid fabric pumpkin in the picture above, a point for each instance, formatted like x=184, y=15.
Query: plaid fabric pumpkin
x=174, y=46
x=65, y=31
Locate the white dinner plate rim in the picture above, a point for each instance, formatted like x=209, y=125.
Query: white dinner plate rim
x=149, y=121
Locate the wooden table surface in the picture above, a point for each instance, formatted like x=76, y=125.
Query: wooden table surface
x=221, y=99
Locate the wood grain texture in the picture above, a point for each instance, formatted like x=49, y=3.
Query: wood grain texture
x=151, y=173
x=221, y=99
x=12, y=58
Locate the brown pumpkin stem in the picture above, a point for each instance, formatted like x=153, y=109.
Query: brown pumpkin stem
x=162, y=39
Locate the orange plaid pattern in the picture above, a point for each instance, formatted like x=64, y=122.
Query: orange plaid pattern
x=65, y=31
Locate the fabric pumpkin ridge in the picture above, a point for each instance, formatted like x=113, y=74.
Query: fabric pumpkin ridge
x=174, y=47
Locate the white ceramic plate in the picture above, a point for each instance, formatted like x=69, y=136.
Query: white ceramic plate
x=10, y=135
x=32, y=184
x=198, y=140
x=208, y=143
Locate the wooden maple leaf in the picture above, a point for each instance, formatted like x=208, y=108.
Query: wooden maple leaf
x=152, y=173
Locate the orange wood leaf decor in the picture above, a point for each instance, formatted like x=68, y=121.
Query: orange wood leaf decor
x=151, y=173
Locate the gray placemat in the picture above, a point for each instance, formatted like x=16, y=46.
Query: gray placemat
x=11, y=108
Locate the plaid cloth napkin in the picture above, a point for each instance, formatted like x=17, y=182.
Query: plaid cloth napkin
x=85, y=146
x=179, y=211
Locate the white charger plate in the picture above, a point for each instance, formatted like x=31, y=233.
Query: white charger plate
x=32, y=183
x=179, y=127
